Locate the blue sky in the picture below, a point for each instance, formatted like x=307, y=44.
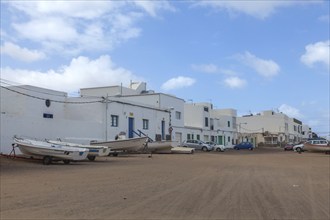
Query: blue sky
x=247, y=55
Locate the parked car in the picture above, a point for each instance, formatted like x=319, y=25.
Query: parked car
x=197, y=144
x=298, y=147
x=244, y=145
x=216, y=147
x=288, y=147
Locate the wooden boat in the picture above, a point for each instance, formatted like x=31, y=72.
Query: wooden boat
x=93, y=151
x=48, y=151
x=317, y=146
x=131, y=144
x=161, y=146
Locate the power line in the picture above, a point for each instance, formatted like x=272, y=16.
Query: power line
x=10, y=83
x=40, y=98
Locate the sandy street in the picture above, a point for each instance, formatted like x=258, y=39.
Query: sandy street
x=261, y=184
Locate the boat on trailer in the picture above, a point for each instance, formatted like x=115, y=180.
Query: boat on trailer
x=93, y=151
x=48, y=151
x=126, y=145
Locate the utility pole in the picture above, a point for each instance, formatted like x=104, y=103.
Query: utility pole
x=106, y=117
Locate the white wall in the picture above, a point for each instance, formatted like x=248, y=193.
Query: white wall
x=23, y=116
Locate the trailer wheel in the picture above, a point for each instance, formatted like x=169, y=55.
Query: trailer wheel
x=47, y=160
x=91, y=158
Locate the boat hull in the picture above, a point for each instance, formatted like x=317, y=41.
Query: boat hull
x=161, y=146
x=132, y=144
x=99, y=151
x=182, y=150
x=316, y=147
x=42, y=149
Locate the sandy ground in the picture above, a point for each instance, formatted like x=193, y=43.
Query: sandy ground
x=261, y=184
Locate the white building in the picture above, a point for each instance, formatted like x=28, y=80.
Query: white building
x=161, y=127
x=202, y=122
x=46, y=114
x=101, y=113
x=272, y=128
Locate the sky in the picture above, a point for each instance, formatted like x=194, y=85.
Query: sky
x=247, y=55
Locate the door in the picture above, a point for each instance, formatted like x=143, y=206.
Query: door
x=130, y=127
x=178, y=137
x=163, y=130
x=220, y=140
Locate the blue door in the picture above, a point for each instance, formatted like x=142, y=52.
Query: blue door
x=130, y=127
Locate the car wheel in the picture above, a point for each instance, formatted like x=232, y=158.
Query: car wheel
x=299, y=150
x=218, y=149
x=204, y=149
x=47, y=160
x=236, y=148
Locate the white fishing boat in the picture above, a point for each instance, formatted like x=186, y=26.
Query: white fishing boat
x=182, y=150
x=131, y=144
x=49, y=152
x=161, y=146
x=93, y=151
x=317, y=146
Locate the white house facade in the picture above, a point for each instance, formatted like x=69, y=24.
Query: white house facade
x=272, y=128
x=202, y=122
x=103, y=112
x=46, y=114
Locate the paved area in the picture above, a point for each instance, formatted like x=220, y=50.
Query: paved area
x=262, y=184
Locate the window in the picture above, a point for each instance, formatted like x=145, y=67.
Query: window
x=206, y=122
x=228, y=123
x=198, y=137
x=145, y=123
x=211, y=124
x=228, y=139
x=178, y=115
x=114, y=120
x=46, y=115
x=188, y=136
x=206, y=109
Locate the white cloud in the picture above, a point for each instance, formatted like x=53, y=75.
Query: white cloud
x=77, y=9
x=317, y=53
x=235, y=82
x=80, y=73
x=265, y=68
x=258, y=9
x=290, y=111
x=151, y=7
x=178, y=83
x=76, y=26
x=205, y=68
x=48, y=29
x=22, y=54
